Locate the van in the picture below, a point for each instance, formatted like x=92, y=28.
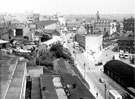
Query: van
x=121, y=54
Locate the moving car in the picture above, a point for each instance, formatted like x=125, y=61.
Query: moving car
x=101, y=80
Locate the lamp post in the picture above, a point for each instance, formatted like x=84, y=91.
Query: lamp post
x=105, y=90
x=84, y=70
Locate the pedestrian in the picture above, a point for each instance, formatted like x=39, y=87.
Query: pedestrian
x=97, y=94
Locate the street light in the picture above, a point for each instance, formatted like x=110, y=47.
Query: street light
x=84, y=70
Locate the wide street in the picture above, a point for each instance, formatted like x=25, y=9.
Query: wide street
x=93, y=73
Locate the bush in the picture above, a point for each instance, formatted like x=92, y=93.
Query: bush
x=48, y=63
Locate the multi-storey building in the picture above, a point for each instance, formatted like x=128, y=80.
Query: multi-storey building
x=32, y=18
x=91, y=42
x=127, y=44
x=128, y=24
x=103, y=25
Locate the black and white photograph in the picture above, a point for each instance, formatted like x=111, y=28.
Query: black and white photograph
x=67, y=49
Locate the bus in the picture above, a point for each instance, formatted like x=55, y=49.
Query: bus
x=113, y=94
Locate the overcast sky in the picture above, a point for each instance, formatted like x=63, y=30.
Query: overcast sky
x=69, y=6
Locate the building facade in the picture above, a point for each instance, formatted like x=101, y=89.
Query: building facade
x=127, y=44
x=128, y=24
x=92, y=43
x=32, y=18
x=113, y=27
x=103, y=25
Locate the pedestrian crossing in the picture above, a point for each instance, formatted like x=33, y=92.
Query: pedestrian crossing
x=93, y=69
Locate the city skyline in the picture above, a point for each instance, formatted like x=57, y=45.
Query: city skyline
x=68, y=6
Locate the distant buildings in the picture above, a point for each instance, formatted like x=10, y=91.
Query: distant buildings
x=72, y=26
x=32, y=18
x=128, y=24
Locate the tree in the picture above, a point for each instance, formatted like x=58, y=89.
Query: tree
x=57, y=49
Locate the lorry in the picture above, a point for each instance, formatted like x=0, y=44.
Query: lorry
x=121, y=54
x=116, y=57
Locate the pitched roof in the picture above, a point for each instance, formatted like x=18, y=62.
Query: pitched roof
x=80, y=91
x=45, y=23
x=49, y=30
x=3, y=30
x=126, y=39
x=52, y=31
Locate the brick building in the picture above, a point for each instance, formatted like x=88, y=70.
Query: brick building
x=127, y=44
x=128, y=24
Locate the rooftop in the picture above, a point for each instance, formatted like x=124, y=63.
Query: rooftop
x=49, y=92
x=80, y=91
x=126, y=39
x=7, y=66
x=43, y=23
x=120, y=67
x=3, y=30
x=3, y=41
x=15, y=87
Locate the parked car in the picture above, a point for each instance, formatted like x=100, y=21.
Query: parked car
x=126, y=55
x=98, y=63
x=68, y=41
